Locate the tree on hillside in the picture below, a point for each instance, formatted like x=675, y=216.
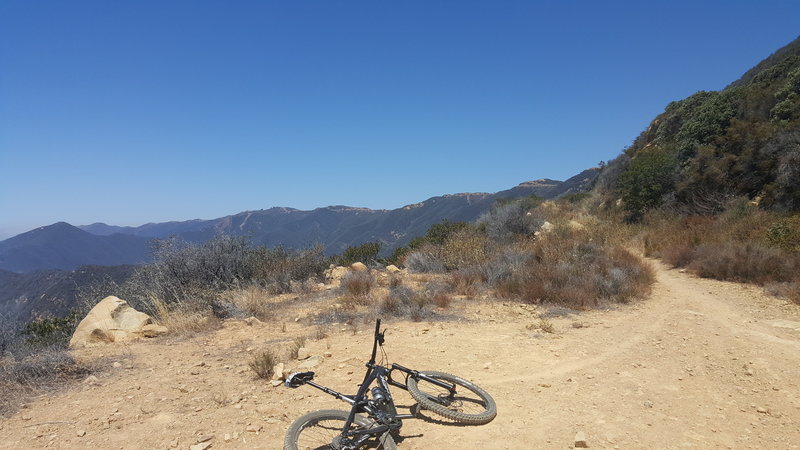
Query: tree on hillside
x=650, y=176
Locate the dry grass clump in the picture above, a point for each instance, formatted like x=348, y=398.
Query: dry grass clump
x=251, y=301
x=183, y=317
x=263, y=363
x=358, y=284
x=544, y=325
x=40, y=372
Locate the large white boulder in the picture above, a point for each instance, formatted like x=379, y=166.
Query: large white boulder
x=113, y=320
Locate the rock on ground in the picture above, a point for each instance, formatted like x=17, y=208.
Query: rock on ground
x=113, y=320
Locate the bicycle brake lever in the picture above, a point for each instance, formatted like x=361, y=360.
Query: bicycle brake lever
x=381, y=336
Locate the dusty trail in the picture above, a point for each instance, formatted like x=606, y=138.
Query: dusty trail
x=700, y=364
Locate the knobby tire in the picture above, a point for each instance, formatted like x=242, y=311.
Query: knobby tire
x=319, y=429
x=471, y=405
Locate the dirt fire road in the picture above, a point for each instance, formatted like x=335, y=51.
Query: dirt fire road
x=699, y=364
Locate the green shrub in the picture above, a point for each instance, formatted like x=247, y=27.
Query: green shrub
x=51, y=331
x=785, y=233
x=649, y=177
x=364, y=253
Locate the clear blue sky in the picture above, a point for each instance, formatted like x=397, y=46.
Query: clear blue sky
x=139, y=111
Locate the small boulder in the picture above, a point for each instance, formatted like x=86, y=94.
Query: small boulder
x=310, y=363
x=580, y=440
x=335, y=274
x=152, y=330
x=111, y=320
x=302, y=353
x=358, y=267
x=252, y=320
x=277, y=372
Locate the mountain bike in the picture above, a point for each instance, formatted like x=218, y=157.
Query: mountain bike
x=373, y=421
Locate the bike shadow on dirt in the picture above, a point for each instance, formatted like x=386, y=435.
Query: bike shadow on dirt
x=425, y=416
x=430, y=417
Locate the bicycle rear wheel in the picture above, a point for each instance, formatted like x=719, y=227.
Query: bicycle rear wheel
x=470, y=404
x=322, y=430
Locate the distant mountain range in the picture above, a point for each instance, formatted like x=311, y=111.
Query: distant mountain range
x=24, y=296
x=66, y=247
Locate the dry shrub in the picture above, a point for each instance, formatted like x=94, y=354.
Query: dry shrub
x=427, y=259
x=665, y=233
x=41, y=372
x=742, y=244
x=251, y=301
x=441, y=300
x=464, y=248
x=787, y=290
x=678, y=256
x=358, y=284
x=405, y=302
x=184, y=318
x=744, y=262
x=565, y=269
x=263, y=363
x=466, y=281
x=793, y=293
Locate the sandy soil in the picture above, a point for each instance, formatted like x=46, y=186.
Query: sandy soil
x=700, y=364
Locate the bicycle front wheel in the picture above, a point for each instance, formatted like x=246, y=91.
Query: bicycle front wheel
x=469, y=405
x=323, y=429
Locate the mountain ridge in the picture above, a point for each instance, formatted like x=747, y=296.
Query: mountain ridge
x=336, y=227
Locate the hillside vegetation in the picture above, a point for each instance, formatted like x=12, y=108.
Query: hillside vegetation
x=712, y=147
x=714, y=181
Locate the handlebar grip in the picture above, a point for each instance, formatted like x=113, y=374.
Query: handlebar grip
x=377, y=326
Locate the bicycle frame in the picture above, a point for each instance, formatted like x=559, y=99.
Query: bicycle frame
x=360, y=402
